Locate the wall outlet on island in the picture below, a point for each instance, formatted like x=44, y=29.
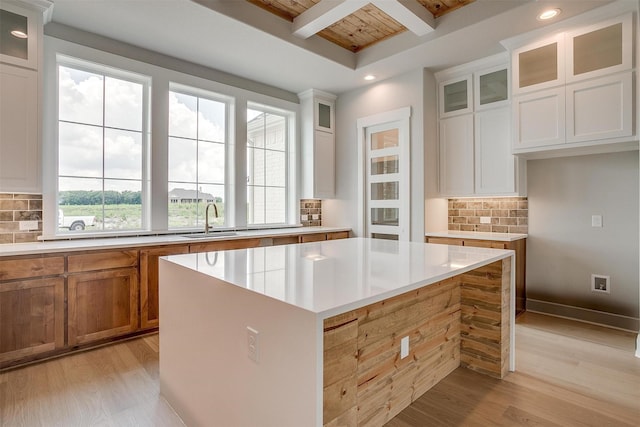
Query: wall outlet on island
x=404, y=347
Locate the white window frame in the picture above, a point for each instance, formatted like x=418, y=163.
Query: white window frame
x=113, y=72
x=290, y=187
x=157, y=155
x=229, y=166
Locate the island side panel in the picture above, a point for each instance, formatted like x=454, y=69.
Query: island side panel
x=205, y=372
x=486, y=318
x=373, y=384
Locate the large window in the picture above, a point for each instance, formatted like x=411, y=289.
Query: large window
x=101, y=148
x=197, y=153
x=267, y=166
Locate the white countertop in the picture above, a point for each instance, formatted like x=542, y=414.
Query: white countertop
x=478, y=235
x=332, y=277
x=140, y=241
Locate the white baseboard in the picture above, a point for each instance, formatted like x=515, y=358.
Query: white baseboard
x=626, y=323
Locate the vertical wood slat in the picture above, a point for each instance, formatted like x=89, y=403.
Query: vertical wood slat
x=485, y=329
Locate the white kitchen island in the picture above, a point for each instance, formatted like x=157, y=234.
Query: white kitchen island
x=349, y=332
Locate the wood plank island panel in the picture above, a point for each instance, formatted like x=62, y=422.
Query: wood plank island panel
x=460, y=321
x=365, y=381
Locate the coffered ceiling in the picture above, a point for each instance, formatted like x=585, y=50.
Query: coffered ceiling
x=245, y=40
x=358, y=24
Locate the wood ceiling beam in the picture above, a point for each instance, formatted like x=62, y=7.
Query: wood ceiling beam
x=323, y=14
x=409, y=13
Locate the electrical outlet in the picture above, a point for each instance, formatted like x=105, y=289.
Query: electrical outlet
x=28, y=225
x=304, y=217
x=596, y=221
x=252, y=344
x=485, y=220
x=600, y=283
x=315, y=216
x=404, y=347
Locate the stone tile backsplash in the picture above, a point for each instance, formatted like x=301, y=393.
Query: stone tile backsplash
x=15, y=208
x=506, y=215
x=308, y=211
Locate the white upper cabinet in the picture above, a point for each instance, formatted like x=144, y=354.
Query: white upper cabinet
x=317, y=124
x=600, y=49
x=492, y=87
x=538, y=65
x=475, y=131
x=455, y=96
x=21, y=33
x=574, y=91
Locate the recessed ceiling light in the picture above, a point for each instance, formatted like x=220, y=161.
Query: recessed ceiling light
x=19, y=34
x=549, y=14
x=369, y=77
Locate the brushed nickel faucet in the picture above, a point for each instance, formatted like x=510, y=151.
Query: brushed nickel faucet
x=206, y=216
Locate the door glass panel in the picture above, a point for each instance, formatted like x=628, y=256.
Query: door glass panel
x=11, y=44
x=384, y=191
x=455, y=96
x=493, y=87
x=384, y=216
x=384, y=139
x=384, y=236
x=324, y=115
x=384, y=165
x=597, y=49
x=538, y=65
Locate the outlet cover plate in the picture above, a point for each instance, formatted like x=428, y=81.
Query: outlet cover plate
x=600, y=283
x=28, y=225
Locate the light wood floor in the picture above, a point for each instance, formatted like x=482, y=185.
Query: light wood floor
x=568, y=374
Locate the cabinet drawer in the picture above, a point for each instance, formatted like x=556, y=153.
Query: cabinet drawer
x=285, y=240
x=485, y=244
x=444, y=241
x=305, y=238
x=225, y=245
x=338, y=235
x=24, y=268
x=102, y=260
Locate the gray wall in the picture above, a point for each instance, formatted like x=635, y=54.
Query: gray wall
x=402, y=91
x=563, y=250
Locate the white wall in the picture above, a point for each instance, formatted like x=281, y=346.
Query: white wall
x=563, y=250
x=402, y=91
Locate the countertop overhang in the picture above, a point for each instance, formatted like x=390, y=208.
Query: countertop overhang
x=332, y=277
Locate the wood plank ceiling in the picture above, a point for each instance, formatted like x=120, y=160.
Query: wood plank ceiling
x=366, y=24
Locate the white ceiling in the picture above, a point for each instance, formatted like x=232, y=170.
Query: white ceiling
x=239, y=38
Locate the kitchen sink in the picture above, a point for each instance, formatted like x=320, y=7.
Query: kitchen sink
x=213, y=234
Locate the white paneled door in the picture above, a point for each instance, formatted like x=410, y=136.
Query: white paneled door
x=386, y=179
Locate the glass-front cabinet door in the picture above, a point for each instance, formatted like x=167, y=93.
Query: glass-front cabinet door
x=600, y=49
x=455, y=96
x=539, y=65
x=19, y=35
x=491, y=87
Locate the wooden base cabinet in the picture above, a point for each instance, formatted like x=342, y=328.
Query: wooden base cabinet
x=102, y=304
x=31, y=317
x=102, y=300
x=520, y=248
x=149, y=313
